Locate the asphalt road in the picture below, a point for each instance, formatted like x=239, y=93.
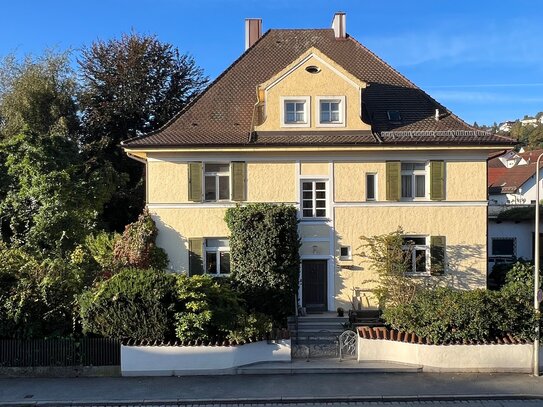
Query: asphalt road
x=349, y=389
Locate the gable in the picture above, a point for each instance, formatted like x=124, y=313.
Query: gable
x=314, y=78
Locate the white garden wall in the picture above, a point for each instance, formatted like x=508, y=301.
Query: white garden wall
x=450, y=358
x=199, y=360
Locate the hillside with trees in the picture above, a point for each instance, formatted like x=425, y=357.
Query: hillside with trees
x=528, y=130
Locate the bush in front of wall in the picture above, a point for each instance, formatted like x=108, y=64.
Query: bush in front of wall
x=207, y=308
x=264, y=248
x=133, y=304
x=445, y=314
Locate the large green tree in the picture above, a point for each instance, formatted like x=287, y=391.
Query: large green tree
x=38, y=95
x=49, y=196
x=131, y=85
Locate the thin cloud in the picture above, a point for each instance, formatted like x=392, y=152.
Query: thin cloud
x=490, y=44
x=482, y=97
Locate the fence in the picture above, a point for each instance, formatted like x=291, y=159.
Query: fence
x=60, y=352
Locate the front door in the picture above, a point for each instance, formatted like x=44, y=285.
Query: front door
x=314, y=279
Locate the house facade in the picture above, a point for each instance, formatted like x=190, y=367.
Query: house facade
x=511, y=212
x=314, y=119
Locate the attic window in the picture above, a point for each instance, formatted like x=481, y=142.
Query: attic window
x=313, y=69
x=394, y=116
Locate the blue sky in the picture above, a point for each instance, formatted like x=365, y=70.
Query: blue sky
x=482, y=59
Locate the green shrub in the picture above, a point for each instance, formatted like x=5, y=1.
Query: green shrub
x=445, y=314
x=37, y=296
x=136, y=304
x=250, y=326
x=264, y=248
x=207, y=309
x=137, y=245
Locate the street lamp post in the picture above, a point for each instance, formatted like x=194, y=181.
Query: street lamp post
x=536, y=269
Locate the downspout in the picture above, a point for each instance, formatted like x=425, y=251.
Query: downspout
x=141, y=160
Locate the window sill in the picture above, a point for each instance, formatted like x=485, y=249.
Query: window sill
x=309, y=220
x=330, y=125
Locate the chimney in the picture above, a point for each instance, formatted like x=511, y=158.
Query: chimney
x=339, y=25
x=253, y=31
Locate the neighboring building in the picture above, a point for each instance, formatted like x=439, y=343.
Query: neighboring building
x=314, y=119
x=530, y=121
x=512, y=198
x=506, y=126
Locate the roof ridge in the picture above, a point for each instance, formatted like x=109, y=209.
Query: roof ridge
x=199, y=96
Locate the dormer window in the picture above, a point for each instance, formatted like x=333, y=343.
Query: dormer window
x=394, y=116
x=331, y=111
x=295, y=112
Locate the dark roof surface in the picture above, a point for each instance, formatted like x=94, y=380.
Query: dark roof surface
x=222, y=114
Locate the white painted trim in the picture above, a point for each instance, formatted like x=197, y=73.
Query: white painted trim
x=315, y=239
x=364, y=157
x=342, y=111
x=410, y=203
x=336, y=204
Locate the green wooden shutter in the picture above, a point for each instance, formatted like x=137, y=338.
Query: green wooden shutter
x=437, y=180
x=238, y=174
x=393, y=176
x=437, y=254
x=196, y=252
x=195, y=181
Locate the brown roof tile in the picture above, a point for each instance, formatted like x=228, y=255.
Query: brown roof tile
x=222, y=114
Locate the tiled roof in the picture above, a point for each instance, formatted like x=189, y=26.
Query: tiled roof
x=222, y=114
x=509, y=180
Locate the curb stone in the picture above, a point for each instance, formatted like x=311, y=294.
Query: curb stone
x=277, y=400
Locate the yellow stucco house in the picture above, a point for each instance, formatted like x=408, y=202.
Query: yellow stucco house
x=314, y=119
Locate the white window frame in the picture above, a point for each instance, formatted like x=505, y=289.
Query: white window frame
x=427, y=257
x=314, y=199
x=349, y=253
x=306, y=100
x=413, y=174
x=374, y=175
x=217, y=175
x=341, y=101
x=504, y=256
x=218, y=250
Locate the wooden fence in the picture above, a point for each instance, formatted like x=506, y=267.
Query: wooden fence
x=60, y=352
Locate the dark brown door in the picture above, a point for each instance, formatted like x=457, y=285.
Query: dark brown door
x=314, y=289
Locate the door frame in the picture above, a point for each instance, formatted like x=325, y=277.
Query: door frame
x=329, y=295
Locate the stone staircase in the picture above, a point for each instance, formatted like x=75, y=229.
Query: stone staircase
x=316, y=335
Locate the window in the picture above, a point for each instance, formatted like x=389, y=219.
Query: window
x=345, y=253
x=331, y=111
x=217, y=256
x=394, y=116
x=371, y=187
x=216, y=182
x=413, y=180
x=314, y=199
x=294, y=112
x=417, y=247
x=505, y=246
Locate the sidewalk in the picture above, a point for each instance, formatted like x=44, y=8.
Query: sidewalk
x=272, y=388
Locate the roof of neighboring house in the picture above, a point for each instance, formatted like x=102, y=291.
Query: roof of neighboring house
x=222, y=114
x=503, y=180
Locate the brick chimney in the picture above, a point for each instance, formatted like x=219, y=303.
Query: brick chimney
x=339, y=25
x=253, y=31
